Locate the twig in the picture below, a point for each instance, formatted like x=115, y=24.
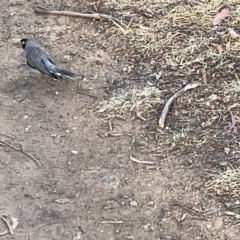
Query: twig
x=174, y=203
x=171, y=100
x=24, y=98
x=110, y=127
x=112, y=222
x=97, y=16
x=10, y=229
x=18, y=150
x=85, y=94
x=7, y=136
x=81, y=90
x=142, y=162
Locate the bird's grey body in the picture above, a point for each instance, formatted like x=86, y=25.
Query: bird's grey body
x=38, y=60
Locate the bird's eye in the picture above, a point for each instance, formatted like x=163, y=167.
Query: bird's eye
x=23, y=42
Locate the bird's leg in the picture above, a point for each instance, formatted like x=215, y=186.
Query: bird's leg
x=52, y=82
x=40, y=77
x=67, y=81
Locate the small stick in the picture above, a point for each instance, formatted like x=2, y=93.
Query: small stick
x=7, y=136
x=110, y=127
x=142, y=162
x=188, y=209
x=168, y=104
x=18, y=150
x=8, y=225
x=97, y=16
x=85, y=94
x=112, y=222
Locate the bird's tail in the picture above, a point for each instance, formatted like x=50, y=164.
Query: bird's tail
x=68, y=74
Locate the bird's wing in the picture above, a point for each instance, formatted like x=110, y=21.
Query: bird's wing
x=35, y=60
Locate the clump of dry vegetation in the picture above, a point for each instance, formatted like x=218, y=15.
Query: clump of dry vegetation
x=225, y=183
x=181, y=42
x=123, y=102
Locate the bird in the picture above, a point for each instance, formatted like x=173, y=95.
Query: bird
x=38, y=61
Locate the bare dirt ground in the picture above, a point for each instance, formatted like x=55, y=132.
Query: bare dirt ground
x=105, y=194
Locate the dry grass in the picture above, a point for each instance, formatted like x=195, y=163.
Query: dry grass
x=225, y=183
x=180, y=39
x=123, y=102
x=233, y=87
x=177, y=30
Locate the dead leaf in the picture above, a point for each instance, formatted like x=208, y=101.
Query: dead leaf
x=139, y=115
x=213, y=97
x=232, y=33
x=158, y=75
x=228, y=213
x=227, y=150
x=220, y=16
x=15, y=222
x=218, y=47
x=207, y=123
x=4, y=233
x=102, y=135
x=99, y=62
x=237, y=119
x=11, y=223
x=119, y=49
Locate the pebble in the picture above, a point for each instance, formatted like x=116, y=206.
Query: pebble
x=20, y=84
x=237, y=202
x=28, y=128
x=108, y=179
x=133, y=203
x=74, y=152
x=150, y=204
x=53, y=135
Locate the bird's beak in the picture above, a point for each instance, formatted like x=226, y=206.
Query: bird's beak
x=16, y=40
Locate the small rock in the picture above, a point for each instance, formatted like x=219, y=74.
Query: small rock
x=20, y=84
x=53, y=135
x=108, y=179
x=227, y=150
x=237, y=202
x=148, y=227
x=209, y=226
x=133, y=203
x=28, y=128
x=78, y=236
x=74, y=152
x=150, y=204
x=223, y=163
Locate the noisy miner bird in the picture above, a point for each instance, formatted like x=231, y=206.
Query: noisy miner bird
x=39, y=61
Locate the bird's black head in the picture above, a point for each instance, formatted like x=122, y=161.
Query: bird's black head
x=23, y=42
